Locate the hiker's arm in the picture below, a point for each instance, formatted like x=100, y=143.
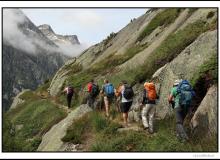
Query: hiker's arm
x=144, y=96
x=170, y=98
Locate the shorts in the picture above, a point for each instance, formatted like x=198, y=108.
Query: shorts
x=125, y=106
x=108, y=101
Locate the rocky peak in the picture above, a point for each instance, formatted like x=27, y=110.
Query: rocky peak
x=46, y=29
x=49, y=33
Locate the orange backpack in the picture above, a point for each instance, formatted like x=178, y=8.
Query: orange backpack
x=151, y=91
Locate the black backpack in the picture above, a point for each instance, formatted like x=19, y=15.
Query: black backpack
x=70, y=90
x=95, y=90
x=128, y=92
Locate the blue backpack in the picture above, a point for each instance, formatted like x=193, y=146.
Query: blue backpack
x=186, y=93
x=109, y=90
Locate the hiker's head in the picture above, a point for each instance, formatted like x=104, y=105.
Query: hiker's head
x=105, y=81
x=92, y=80
x=176, y=82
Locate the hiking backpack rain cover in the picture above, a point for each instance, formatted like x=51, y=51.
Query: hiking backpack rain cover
x=109, y=90
x=151, y=91
x=185, y=91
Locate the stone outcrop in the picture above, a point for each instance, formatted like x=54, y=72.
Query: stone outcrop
x=203, y=48
x=205, y=119
x=18, y=100
x=51, y=141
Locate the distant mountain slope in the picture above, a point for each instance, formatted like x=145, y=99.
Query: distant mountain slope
x=29, y=57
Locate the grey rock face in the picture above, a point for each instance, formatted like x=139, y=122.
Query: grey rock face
x=205, y=119
x=204, y=47
x=59, y=78
x=51, y=141
x=56, y=38
x=18, y=100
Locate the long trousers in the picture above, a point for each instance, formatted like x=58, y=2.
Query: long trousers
x=181, y=113
x=147, y=114
x=69, y=98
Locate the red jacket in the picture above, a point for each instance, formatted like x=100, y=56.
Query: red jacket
x=89, y=87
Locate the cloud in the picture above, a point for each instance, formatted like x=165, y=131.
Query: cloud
x=72, y=50
x=28, y=40
x=12, y=34
x=81, y=17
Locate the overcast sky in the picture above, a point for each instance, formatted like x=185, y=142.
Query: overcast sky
x=90, y=25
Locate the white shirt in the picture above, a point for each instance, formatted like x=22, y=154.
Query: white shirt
x=123, y=99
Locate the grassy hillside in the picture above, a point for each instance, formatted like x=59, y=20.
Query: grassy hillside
x=99, y=134
x=24, y=126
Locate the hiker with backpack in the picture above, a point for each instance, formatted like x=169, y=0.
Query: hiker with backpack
x=69, y=94
x=127, y=95
x=182, y=94
x=93, y=90
x=148, y=103
x=109, y=94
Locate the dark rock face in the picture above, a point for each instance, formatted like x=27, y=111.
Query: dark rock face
x=26, y=68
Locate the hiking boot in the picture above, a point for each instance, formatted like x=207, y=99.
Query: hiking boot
x=146, y=128
x=150, y=131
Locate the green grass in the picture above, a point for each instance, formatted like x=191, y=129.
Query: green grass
x=76, y=132
x=36, y=117
x=106, y=138
x=164, y=18
x=28, y=95
x=167, y=51
x=210, y=14
x=192, y=10
x=209, y=69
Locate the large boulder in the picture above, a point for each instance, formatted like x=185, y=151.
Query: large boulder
x=205, y=118
x=51, y=141
x=184, y=66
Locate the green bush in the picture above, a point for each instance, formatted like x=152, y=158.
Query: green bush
x=209, y=68
x=99, y=122
x=210, y=14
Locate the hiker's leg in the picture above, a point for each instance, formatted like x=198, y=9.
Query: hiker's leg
x=184, y=113
x=106, y=106
x=151, y=117
x=68, y=100
x=125, y=118
x=144, y=115
x=181, y=133
x=90, y=101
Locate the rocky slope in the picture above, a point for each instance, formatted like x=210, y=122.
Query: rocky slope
x=163, y=45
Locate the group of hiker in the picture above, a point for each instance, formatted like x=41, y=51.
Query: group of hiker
x=180, y=99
